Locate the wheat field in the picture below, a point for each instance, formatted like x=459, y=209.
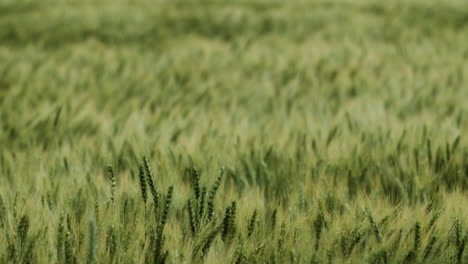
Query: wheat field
x=213, y=131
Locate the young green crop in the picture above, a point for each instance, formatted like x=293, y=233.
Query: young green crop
x=327, y=131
